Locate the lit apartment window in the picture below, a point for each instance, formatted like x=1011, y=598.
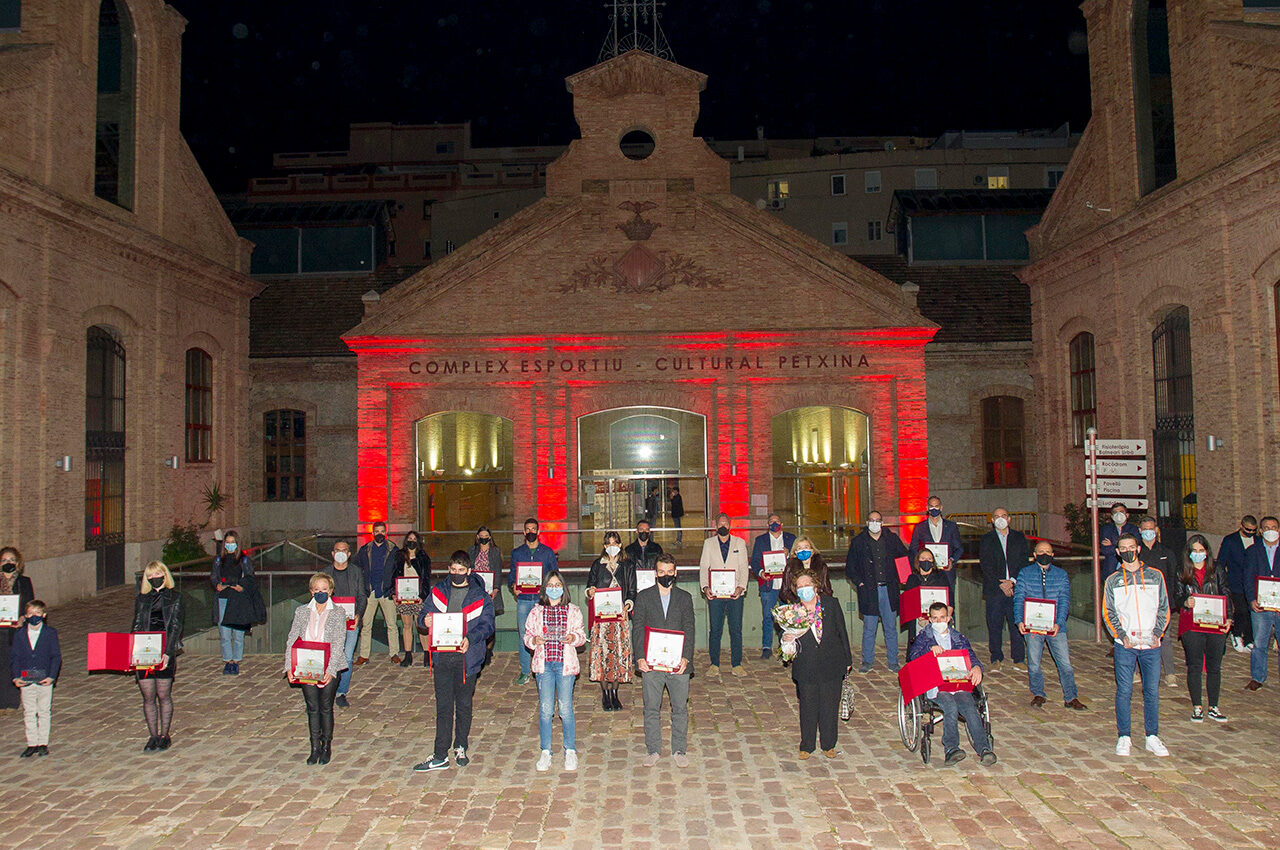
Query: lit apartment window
x=875, y=231
x=840, y=233
x=998, y=177
x=1053, y=175
x=779, y=190
x=837, y=184
x=871, y=182
x=926, y=178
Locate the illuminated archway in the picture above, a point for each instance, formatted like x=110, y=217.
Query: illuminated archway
x=465, y=474
x=821, y=470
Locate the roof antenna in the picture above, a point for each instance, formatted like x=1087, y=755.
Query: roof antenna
x=633, y=25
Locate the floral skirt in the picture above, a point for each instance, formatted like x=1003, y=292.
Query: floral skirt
x=611, y=651
x=410, y=608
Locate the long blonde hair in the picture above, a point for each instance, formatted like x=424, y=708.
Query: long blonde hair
x=146, y=586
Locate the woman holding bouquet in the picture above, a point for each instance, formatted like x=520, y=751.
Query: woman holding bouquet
x=804, y=556
x=611, y=639
x=815, y=641
x=319, y=620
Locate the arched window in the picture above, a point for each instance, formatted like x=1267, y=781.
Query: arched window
x=1002, y=453
x=199, y=409
x=284, y=455
x=1174, y=438
x=104, y=439
x=117, y=84
x=1084, y=388
x=1153, y=95
x=465, y=475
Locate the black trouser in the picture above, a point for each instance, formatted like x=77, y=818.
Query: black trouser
x=320, y=711
x=819, y=712
x=1000, y=614
x=454, y=693
x=1205, y=651
x=1242, y=625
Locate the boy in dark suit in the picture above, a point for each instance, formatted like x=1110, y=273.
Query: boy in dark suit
x=34, y=661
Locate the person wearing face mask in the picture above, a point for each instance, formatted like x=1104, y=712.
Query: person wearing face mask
x=773, y=540
x=1136, y=607
x=871, y=567
x=924, y=573
x=1110, y=536
x=487, y=558
x=804, y=555
x=456, y=673
x=1231, y=563
x=1203, y=649
x=239, y=604
x=533, y=549
x=1044, y=580
x=724, y=551
x=159, y=608
x=554, y=631
x=377, y=561
x=412, y=562
x=33, y=668
x=1261, y=562
x=823, y=658
x=1154, y=554
x=644, y=550
x=939, y=638
x=348, y=583
x=13, y=581
x=676, y=501
x=665, y=606
x=937, y=530
x=319, y=620
x=1002, y=553
x=611, y=654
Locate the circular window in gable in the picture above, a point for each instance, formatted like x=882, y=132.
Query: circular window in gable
x=637, y=144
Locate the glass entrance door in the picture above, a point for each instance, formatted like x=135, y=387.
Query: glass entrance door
x=821, y=477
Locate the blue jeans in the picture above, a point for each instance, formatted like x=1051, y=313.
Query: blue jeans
x=953, y=705
x=717, y=610
x=1061, y=657
x=999, y=615
x=344, y=680
x=555, y=687
x=888, y=620
x=1264, y=625
x=1148, y=663
x=768, y=599
x=523, y=607
x=232, y=639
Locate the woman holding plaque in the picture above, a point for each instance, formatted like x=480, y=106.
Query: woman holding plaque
x=158, y=608
x=554, y=631
x=923, y=574
x=319, y=621
x=820, y=659
x=12, y=583
x=803, y=556
x=1202, y=646
x=412, y=562
x=611, y=639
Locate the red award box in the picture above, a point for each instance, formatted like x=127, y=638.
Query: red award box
x=113, y=651
x=1188, y=621
x=524, y=570
x=308, y=661
x=770, y=567
x=924, y=674
x=663, y=649
x=1268, y=595
x=348, y=605
x=1035, y=622
x=606, y=604
x=912, y=604
x=903, y=566
x=446, y=631
x=407, y=592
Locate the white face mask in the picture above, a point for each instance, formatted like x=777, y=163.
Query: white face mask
x=612, y=551
x=1001, y=522
x=339, y=557
x=1119, y=518
x=1271, y=535
x=874, y=526
x=938, y=628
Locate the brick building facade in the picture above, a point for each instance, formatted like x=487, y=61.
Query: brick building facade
x=123, y=299
x=1155, y=268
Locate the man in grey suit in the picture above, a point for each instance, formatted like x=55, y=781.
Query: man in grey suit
x=664, y=606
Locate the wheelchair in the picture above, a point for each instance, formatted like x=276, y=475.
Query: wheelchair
x=917, y=718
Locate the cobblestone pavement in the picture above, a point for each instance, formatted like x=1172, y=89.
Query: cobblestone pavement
x=235, y=776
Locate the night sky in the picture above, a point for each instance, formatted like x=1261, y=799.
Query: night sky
x=261, y=76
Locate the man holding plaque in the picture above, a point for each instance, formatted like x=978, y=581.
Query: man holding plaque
x=1154, y=554
x=940, y=638
x=722, y=575
x=872, y=566
x=665, y=608
x=348, y=584
x=1260, y=573
x=1231, y=563
x=771, y=547
x=456, y=671
x=1136, y=604
x=532, y=551
x=941, y=537
x=1041, y=605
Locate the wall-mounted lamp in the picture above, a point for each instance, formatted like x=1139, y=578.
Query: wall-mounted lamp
x=63, y=463
x=1216, y=443
x=171, y=461
x=733, y=469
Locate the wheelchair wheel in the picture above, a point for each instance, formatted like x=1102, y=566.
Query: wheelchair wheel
x=909, y=723
x=925, y=748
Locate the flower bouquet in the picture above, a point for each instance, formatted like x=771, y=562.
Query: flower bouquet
x=794, y=620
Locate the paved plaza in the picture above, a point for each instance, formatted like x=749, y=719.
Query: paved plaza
x=235, y=776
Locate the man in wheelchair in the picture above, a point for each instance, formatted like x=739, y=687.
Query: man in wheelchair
x=938, y=638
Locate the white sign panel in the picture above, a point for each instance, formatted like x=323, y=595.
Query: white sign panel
x=1118, y=486
x=1107, y=466
x=1128, y=502
x=1119, y=448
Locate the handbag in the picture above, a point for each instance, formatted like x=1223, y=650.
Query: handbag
x=846, y=699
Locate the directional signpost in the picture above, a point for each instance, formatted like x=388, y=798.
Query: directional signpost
x=1115, y=472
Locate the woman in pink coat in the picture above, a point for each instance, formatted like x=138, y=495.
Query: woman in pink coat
x=554, y=631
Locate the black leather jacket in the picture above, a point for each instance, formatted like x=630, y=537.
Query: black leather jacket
x=1215, y=584
x=171, y=607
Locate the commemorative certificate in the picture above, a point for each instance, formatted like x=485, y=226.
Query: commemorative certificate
x=663, y=649
x=447, y=631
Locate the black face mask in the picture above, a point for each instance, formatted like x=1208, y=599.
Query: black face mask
x=1044, y=560
x=644, y=536
x=530, y=536
x=935, y=511
x=458, y=580
x=379, y=538
x=926, y=566
x=483, y=541
x=666, y=581
x=722, y=530
x=411, y=545
x=9, y=568
x=1129, y=557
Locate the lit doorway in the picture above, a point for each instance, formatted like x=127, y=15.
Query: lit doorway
x=464, y=478
x=821, y=472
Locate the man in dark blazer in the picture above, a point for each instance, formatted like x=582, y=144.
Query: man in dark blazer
x=35, y=660
x=773, y=540
x=664, y=606
x=937, y=530
x=871, y=567
x=1002, y=553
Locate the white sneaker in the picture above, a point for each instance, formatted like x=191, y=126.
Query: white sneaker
x=1236, y=643
x=570, y=759
x=1155, y=745
x=544, y=761
x=1171, y=680
x=1122, y=745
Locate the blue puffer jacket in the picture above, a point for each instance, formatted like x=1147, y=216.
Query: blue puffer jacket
x=478, y=609
x=1035, y=583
